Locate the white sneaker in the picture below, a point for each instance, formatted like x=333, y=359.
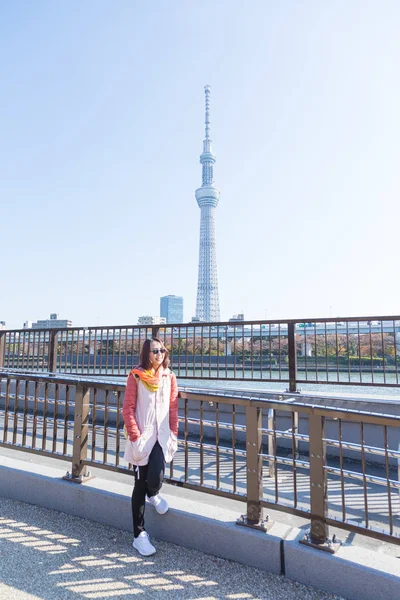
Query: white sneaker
x=142, y=544
x=159, y=503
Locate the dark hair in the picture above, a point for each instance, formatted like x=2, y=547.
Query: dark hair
x=145, y=361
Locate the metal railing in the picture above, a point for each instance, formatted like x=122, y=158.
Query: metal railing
x=349, y=351
x=270, y=451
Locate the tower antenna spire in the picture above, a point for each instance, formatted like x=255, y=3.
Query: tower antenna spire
x=207, y=91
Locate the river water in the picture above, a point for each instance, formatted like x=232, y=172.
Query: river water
x=323, y=389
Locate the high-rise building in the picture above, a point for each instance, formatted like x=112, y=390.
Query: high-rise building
x=207, y=306
x=171, y=307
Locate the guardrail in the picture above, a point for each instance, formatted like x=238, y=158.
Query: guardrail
x=347, y=351
x=270, y=450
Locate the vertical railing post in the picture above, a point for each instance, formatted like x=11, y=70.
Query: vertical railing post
x=296, y=430
x=398, y=468
x=2, y=348
x=253, y=518
x=292, y=356
x=318, y=482
x=155, y=331
x=81, y=431
x=271, y=468
x=52, y=353
x=319, y=532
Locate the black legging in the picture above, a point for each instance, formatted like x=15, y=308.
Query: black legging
x=148, y=481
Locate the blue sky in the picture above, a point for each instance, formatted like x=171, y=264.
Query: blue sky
x=102, y=109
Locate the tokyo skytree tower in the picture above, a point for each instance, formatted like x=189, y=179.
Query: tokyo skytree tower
x=207, y=306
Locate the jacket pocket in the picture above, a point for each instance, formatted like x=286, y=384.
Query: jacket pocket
x=138, y=451
x=172, y=447
x=141, y=447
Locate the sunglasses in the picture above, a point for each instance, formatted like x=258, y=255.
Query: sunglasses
x=162, y=350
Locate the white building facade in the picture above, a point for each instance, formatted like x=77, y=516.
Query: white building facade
x=147, y=320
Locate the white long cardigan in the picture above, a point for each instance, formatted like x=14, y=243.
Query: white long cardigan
x=152, y=417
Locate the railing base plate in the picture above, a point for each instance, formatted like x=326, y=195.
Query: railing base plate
x=331, y=546
x=81, y=479
x=263, y=525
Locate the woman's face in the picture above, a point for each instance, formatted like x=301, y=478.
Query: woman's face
x=156, y=357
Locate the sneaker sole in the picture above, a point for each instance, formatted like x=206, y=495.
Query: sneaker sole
x=141, y=553
x=160, y=512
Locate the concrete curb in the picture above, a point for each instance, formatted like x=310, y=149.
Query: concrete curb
x=355, y=573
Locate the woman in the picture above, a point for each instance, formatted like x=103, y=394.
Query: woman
x=150, y=412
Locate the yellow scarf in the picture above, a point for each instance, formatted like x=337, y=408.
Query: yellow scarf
x=149, y=380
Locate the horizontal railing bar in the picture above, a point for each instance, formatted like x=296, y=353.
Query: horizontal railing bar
x=29, y=449
x=208, y=423
x=39, y=399
x=286, y=461
x=208, y=489
x=352, y=383
x=102, y=427
x=221, y=449
x=298, y=512
x=361, y=477
x=60, y=421
x=286, y=434
x=39, y=418
x=62, y=404
x=359, y=448
x=211, y=398
x=85, y=381
x=21, y=412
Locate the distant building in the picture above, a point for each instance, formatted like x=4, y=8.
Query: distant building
x=147, y=320
x=2, y=324
x=54, y=321
x=238, y=317
x=171, y=308
x=27, y=325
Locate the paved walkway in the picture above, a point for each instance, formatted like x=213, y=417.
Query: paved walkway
x=49, y=555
